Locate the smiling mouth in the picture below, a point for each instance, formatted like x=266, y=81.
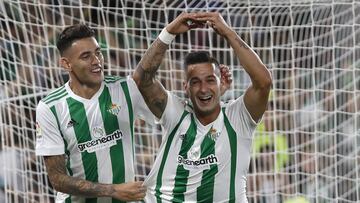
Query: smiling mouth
x=205, y=98
x=96, y=70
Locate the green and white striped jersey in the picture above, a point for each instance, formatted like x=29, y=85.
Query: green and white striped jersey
x=199, y=163
x=96, y=134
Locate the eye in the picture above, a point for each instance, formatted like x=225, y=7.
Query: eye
x=194, y=82
x=211, y=80
x=86, y=56
x=98, y=53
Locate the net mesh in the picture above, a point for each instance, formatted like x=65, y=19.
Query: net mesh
x=306, y=149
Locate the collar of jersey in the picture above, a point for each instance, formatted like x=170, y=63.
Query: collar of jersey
x=217, y=124
x=77, y=97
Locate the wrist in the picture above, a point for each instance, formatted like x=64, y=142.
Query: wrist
x=166, y=37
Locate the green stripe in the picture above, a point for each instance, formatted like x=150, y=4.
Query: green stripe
x=111, y=124
x=56, y=98
x=82, y=133
x=68, y=167
x=54, y=94
x=166, y=152
x=112, y=79
x=182, y=174
x=233, y=144
x=131, y=114
x=205, y=192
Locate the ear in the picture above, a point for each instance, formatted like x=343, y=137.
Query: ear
x=64, y=62
x=185, y=86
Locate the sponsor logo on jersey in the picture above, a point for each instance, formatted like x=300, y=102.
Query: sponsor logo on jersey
x=213, y=134
x=202, y=163
x=100, y=143
x=114, y=109
x=71, y=123
x=38, y=131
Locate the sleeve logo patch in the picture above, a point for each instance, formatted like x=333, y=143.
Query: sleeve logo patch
x=38, y=131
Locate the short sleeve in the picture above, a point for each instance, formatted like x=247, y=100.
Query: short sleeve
x=48, y=137
x=173, y=111
x=141, y=110
x=240, y=117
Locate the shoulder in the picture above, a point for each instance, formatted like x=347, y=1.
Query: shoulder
x=237, y=113
x=55, y=95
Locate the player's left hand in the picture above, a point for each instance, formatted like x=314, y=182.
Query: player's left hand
x=226, y=78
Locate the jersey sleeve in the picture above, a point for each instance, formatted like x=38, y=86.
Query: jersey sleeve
x=141, y=110
x=48, y=137
x=240, y=118
x=172, y=113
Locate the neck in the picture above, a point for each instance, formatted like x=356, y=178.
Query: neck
x=206, y=118
x=83, y=91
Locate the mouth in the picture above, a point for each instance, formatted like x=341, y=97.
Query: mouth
x=96, y=70
x=205, y=99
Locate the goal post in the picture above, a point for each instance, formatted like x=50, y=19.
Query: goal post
x=307, y=146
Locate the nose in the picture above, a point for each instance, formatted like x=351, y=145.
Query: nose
x=96, y=59
x=203, y=87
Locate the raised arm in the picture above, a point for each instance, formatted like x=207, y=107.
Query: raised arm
x=55, y=165
x=151, y=89
x=256, y=96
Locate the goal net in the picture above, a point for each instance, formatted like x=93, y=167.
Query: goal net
x=307, y=147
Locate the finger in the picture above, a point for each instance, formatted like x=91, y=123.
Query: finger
x=142, y=189
x=195, y=25
x=139, y=183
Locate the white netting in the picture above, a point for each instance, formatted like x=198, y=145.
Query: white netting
x=305, y=150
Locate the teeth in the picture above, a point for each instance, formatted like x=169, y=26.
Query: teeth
x=206, y=97
x=96, y=70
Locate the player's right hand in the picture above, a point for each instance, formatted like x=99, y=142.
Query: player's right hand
x=183, y=23
x=131, y=191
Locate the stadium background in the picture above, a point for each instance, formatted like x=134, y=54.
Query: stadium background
x=307, y=147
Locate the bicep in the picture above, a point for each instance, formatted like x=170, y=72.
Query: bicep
x=256, y=101
x=155, y=97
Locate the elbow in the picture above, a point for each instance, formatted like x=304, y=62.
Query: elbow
x=265, y=81
x=57, y=182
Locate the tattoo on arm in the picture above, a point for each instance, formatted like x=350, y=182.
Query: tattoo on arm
x=62, y=182
x=151, y=89
x=153, y=57
x=153, y=92
x=242, y=43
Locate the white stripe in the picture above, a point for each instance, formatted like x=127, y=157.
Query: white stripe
x=103, y=156
x=222, y=178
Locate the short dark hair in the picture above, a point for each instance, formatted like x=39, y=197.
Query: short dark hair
x=72, y=33
x=199, y=57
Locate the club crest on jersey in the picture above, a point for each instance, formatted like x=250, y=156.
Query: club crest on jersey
x=38, y=131
x=114, y=109
x=213, y=134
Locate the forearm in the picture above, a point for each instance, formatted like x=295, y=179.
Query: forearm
x=80, y=187
x=250, y=61
x=151, y=89
x=150, y=62
x=55, y=166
